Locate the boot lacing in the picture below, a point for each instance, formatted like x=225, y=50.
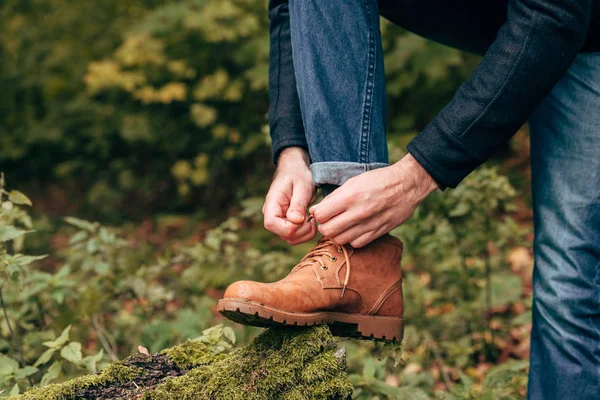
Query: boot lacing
x=320, y=250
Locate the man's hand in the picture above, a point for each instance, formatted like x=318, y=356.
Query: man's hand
x=291, y=191
x=372, y=204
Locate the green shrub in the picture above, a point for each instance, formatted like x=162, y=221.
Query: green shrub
x=150, y=103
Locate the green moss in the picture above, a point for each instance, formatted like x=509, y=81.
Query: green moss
x=114, y=374
x=192, y=353
x=291, y=364
x=279, y=364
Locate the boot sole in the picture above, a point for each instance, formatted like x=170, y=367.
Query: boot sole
x=359, y=326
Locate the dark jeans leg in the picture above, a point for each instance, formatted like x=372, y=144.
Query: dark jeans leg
x=338, y=62
x=340, y=77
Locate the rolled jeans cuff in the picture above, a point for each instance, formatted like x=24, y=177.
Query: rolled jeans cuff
x=338, y=172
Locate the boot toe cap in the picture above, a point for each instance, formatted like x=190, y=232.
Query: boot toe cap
x=246, y=290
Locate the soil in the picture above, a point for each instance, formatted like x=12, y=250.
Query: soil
x=156, y=367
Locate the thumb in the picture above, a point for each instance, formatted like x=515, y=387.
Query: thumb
x=301, y=196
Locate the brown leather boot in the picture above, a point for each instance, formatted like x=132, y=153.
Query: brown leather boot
x=357, y=292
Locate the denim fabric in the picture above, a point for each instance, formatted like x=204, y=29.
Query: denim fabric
x=531, y=65
x=528, y=46
x=341, y=86
x=285, y=118
x=565, y=161
x=336, y=173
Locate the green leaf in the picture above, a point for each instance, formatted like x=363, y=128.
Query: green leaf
x=26, y=260
x=59, y=341
x=25, y=372
x=72, y=352
x=370, y=368
x=45, y=357
x=10, y=232
x=15, y=390
x=503, y=374
x=8, y=366
x=506, y=288
x=90, y=362
x=78, y=237
x=52, y=373
x=460, y=210
x=82, y=224
x=522, y=319
x=18, y=198
x=229, y=334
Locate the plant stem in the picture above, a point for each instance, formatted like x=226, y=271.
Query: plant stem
x=101, y=332
x=440, y=362
x=14, y=337
x=1, y=186
x=41, y=313
x=488, y=301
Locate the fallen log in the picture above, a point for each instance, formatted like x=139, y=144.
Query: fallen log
x=290, y=363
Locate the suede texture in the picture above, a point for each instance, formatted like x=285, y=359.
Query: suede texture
x=374, y=283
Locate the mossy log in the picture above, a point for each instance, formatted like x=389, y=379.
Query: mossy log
x=291, y=363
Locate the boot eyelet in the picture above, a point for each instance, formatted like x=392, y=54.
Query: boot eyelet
x=339, y=249
x=333, y=259
x=324, y=267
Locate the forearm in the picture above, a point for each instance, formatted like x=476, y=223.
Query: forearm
x=533, y=50
x=285, y=117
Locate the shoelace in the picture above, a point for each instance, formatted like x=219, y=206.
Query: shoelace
x=320, y=250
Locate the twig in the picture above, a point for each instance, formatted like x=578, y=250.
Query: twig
x=488, y=294
x=14, y=336
x=1, y=185
x=440, y=361
x=41, y=313
x=103, y=339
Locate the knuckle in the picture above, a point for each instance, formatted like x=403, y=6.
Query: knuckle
x=288, y=231
x=299, y=205
x=339, y=241
x=268, y=224
x=316, y=215
x=362, y=213
x=325, y=230
x=357, y=244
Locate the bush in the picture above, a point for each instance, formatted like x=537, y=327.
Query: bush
x=158, y=104
x=107, y=292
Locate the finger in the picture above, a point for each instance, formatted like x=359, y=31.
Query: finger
x=274, y=220
x=305, y=238
x=330, y=206
x=342, y=222
x=301, y=230
x=350, y=234
x=301, y=197
x=364, y=239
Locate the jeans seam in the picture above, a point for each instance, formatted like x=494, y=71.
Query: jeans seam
x=597, y=283
x=278, y=58
x=368, y=102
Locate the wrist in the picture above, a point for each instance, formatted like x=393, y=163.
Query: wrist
x=293, y=156
x=425, y=183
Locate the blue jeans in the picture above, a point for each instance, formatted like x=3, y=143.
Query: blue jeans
x=338, y=62
x=565, y=161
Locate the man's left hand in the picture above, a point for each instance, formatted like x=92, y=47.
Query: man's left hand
x=373, y=203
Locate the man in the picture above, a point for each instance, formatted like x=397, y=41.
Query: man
x=327, y=118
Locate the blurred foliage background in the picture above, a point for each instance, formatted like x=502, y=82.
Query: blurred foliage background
x=150, y=116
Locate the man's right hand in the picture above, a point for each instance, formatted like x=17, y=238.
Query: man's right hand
x=291, y=192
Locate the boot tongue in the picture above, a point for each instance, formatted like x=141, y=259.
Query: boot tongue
x=316, y=255
x=323, y=252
